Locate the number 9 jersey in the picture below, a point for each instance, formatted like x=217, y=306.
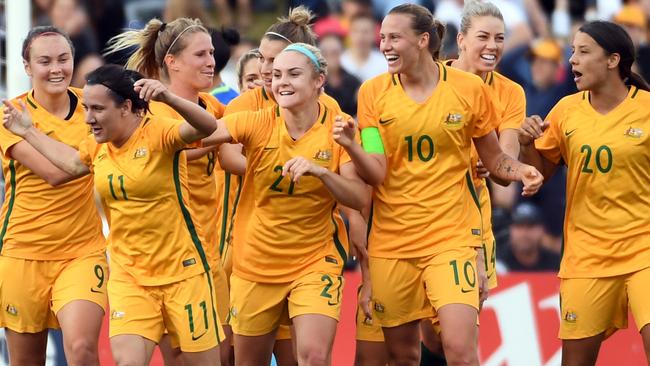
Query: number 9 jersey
x=607, y=224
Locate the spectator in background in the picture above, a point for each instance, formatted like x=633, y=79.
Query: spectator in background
x=242, y=8
x=362, y=59
x=525, y=251
x=193, y=9
x=229, y=73
x=340, y=85
x=546, y=78
x=248, y=70
x=223, y=41
x=73, y=19
x=107, y=18
x=635, y=22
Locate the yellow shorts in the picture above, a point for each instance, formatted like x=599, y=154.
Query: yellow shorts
x=409, y=289
x=186, y=308
x=222, y=293
x=368, y=331
x=32, y=292
x=259, y=308
x=489, y=242
x=226, y=260
x=283, y=333
x=590, y=306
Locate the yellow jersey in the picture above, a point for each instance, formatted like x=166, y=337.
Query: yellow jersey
x=427, y=202
x=607, y=222
x=282, y=228
x=210, y=188
x=41, y=222
x=154, y=239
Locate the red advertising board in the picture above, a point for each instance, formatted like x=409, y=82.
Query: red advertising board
x=519, y=325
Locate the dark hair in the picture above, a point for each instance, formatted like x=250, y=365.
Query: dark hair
x=119, y=82
x=294, y=27
x=423, y=22
x=222, y=41
x=43, y=31
x=614, y=39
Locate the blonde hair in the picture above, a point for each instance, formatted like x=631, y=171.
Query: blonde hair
x=293, y=28
x=474, y=9
x=154, y=42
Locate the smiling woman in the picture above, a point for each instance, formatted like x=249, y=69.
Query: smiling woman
x=52, y=252
x=291, y=242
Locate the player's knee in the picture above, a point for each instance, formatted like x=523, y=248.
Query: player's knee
x=82, y=351
x=459, y=351
x=404, y=357
x=313, y=355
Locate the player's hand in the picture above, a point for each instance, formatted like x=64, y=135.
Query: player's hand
x=344, y=131
x=299, y=166
x=532, y=180
x=150, y=89
x=365, y=294
x=483, y=281
x=18, y=121
x=481, y=170
x=531, y=129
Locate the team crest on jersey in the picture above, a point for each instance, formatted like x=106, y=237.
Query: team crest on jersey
x=323, y=156
x=379, y=307
x=453, y=120
x=117, y=315
x=571, y=317
x=140, y=153
x=633, y=132
x=233, y=312
x=11, y=310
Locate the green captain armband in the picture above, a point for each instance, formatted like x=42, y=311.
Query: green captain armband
x=371, y=141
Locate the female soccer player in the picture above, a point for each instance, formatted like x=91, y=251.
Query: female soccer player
x=480, y=42
x=160, y=276
x=291, y=29
x=248, y=70
x=291, y=243
x=53, y=269
x=601, y=133
x=180, y=54
x=419, y=121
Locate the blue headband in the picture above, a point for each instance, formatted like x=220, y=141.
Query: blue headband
x=305, y=51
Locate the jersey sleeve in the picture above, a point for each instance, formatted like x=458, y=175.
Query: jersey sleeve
x=366, y=108
x=515, y=111
x=248, y=128
x=485, y=117
x=7, y=139
x=87, y=151
x=549, y=145
x=165, y=133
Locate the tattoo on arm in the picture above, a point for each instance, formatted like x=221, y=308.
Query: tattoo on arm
x=507, y=168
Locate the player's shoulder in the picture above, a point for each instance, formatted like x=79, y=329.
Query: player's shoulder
x=508, y=84
x=380, y=83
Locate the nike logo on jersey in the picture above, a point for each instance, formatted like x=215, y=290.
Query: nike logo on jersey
x=569, y=133
x=386, y=121
x=465, y=290
x=196, y=338
x=49, y=133
x=270, y=148
x=96, y=291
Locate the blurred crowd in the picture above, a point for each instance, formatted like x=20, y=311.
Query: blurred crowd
x=536, y=53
